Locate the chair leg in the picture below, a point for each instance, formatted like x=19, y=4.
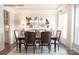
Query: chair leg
x=58, y=46
x=20, y=46
x=26, y=47
x=39, y=45
x=55, y=45
x=34, y=49
x=49, y=47
x=41, y=48
x=16, y=46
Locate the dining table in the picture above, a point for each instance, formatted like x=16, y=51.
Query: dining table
x=38, y=38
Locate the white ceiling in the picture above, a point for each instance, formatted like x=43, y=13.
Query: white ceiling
x=34, y=6
x=39, y=6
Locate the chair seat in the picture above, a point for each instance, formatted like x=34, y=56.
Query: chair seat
x=53, y=37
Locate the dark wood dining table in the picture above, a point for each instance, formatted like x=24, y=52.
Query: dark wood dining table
x=54, y=38
x=38, y=38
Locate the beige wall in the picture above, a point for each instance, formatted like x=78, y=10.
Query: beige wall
x=69, y=29
x=49, y=14
x=15, y=19
x=12, y=27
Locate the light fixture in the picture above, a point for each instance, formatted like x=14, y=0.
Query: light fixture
x=7, y=26
x=23, y=23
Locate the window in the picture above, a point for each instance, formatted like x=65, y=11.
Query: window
x=76, y=25
x=63, y=24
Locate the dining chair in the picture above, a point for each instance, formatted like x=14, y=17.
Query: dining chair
x=19, y=40
x=30, y=40
x=45, y=40
x=57, y=37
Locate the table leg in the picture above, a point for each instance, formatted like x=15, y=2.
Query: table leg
x=55, y=45
x=19, y=45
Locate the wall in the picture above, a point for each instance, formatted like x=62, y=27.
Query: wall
x=49, y=14
x=1, y=29
x=15, y=19
x=69, y=30
x=12, y=27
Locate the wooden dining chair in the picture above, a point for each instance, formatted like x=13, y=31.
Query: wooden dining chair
x=57, y=37
x=30, y=40
x=16, y=37
x=45, y=40
x=19, y=40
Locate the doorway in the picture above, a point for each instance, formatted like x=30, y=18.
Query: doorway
x=6, y=26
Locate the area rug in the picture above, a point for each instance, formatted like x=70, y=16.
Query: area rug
x=61, y=51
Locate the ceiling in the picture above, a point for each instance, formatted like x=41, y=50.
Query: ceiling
x=33, y=6
x=25, y=8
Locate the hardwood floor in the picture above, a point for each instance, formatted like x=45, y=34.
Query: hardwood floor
x=9, y=47
x=70, y=52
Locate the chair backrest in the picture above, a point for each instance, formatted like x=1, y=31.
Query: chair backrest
x=58, y=34
x=16, y=34
x=30, y=37
x=45, y=37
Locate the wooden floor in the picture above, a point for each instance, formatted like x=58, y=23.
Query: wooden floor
x=9, y=47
